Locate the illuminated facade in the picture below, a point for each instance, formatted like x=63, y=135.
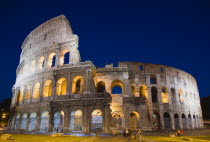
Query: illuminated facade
x=55, y=91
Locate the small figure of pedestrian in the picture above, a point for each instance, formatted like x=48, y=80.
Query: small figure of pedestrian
x=127, y=132
x=124, y=133
x=179, y=132
x=138, y=135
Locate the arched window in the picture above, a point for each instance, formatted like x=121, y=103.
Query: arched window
x=153, y=79
x=44, y=121
x=24, y=121
x=65, y=57
x=143, y=91
x=134, y=119
x=76, y=121
x=96, y=121
x=154, y=94
x=176, y=121
x=61, y=86
x=51, y=60
x=100, y=87
x=118, y=118
x=36, y=90
x=58, y=121
x=167, y=120
x=17, y=121
x=33, y=66
x=117, y=87
x=41, y=63
x=28, y=90
x=78, y=85
x=32, y=122
x=180, y=95
x=20, y=98
x=47, y=89
x=164, y=95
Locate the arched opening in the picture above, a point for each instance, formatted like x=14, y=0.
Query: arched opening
x=78, y=85
x=76, y=121
x=164, y=94
x=184, y=121
x=100, y=87
x=36, y=90
x=134, y=119
x=32, y=122
x=180, y=95
x=156, y=121
x=194, y=121
x=134, y=91
x=173, y=95
x=117, y=87
x=17, y=122
x=21, y=95
x=44, y=121
x=47, y=89
x=189, y=121
x=118, y=120
x=143, y=91
x=24, y=121
x=27, y=94
x=51, y=60
x=65, y=57
x=176, y=121
x=96, y=121
x=33, y=66
x=58, y=121
x=61, y=86
x=167, y=120
x=154, y=94
x=41, y=63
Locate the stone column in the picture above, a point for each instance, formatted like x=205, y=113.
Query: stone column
x=162, y=121
x=51, y=118
x=38, y=121
x=172, y=121
x=85, y=119
x=28, y=121
x=106, y=116
x=180, y=121
x=66, y=120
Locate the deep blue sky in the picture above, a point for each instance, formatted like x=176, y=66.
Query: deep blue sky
x=171, y=32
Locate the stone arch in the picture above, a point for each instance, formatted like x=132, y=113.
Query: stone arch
x=154, y=94
x=134, y=119
x=32, y=121
x=36, y=90
x=96, y=121
x=184, y=121
x=65, y=57
x=76, y=121
x=117, y=87
x=173, y=95
x=24, y=121
x=78, y=85
x=118, y=117
x=176, y=121
x=156, y=121
x=180, y=95
x=100, y=87
x=28, y=92
x=167, y=120
x=44, y=121
x=58, y=121
x=190, y=121
x=164, y=94
x=47, y=88
x=17, y=121
x=61, y=86
x=51, y=60
x=143, y=91
x=41, y=63
x=33, y=66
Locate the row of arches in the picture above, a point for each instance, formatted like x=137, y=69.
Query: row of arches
x=186, y=121
x=61, y=87
x=50, y=61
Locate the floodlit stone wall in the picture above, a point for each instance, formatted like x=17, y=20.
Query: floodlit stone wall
x=55, y=91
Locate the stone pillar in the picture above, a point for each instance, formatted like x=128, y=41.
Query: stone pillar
x=180, y=121
x=106, y=119
x=28, y=121
x=162, y=127
x=172, y=121
x=51, y=118
x=66, y=120
x=57, y=62
x=87, y=81
x=38, y=121
x=41, y=90
x=85, y=120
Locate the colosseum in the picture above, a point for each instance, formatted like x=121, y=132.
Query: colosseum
x=56, y=91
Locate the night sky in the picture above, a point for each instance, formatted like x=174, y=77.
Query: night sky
x=171, y=32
